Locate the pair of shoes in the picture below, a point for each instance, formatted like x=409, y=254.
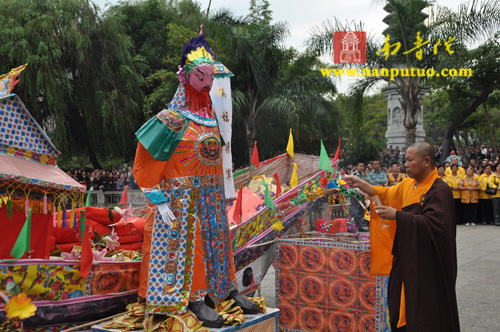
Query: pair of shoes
x=206, y=315
x=467, y=224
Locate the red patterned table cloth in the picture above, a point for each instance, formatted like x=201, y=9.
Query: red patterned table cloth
x=325, y=285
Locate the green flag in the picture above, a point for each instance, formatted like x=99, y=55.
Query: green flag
x=87, y=202
x=267, y=198
x=324, y=161
x=83, y=220
x=22, y=244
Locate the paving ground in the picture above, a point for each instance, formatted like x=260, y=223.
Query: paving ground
x=478, y=282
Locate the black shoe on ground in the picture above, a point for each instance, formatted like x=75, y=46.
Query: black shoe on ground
x=206, y=315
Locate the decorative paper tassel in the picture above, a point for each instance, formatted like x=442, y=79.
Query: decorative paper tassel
x=64, y=219
x=54, y=217
x=26, y=207
x=75, y=228
x=44, y=204
x=59, y=216
x=9, y=208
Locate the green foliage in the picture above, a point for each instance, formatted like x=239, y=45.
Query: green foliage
x=405, y=20
x=146, y=23
x=164, y=81
x=471, y=22
x=83, y=80
x=365, y=132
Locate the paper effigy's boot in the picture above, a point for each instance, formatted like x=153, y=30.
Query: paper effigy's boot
x=249, y=307
x=206, y=315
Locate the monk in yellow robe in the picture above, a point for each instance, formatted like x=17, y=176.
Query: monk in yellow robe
x=418, y=249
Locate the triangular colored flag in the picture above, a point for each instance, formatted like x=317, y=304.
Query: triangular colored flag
x=255, y=156
x=22, y=244
x=324, y=161
x=278, y=185
x=86, y=255
x=83, y=223
x=267, y=198
x=123, y=200
x=238, y=209
x=295, y=180
x=289, y=147
x=87, y=202
x=336, y=158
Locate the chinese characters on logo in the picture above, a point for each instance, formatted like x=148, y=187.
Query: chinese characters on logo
x=392, y=49
x=350, y=47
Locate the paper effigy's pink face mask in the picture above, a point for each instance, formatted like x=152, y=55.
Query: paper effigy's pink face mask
x=202, y=77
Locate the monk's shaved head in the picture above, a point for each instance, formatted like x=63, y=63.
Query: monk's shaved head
x=423, y=150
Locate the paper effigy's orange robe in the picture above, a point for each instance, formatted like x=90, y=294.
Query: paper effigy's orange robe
x=179, y=163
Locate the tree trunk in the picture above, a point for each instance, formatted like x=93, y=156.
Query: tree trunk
x=447, y=142
x=490, y=129
x=410, y=136
x=93, y=158
x=461, y=120
x=409, y=89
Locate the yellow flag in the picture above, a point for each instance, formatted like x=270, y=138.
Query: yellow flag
x=295, y=180
x=289, y=147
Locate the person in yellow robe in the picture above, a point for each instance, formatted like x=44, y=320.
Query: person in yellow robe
x=395, y=176
x=494, y=182
x=485, y=204
x=441, y=172
x=469, y=188
x=461, y=170
x=418, y=248
x=453, y=180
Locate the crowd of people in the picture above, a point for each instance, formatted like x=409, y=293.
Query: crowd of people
x=110, y=179
x=473, y=174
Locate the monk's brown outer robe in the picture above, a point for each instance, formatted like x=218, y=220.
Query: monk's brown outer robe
x=424, y=258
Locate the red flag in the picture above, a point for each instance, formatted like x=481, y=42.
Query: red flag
x=238, y=209
x=123, y=200
x=336, y=158
x=87, y=255
x=278, y=185
x=255, y=156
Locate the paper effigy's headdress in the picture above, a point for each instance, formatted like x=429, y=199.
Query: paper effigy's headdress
x=194, y=53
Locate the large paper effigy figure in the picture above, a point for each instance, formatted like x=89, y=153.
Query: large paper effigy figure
x=187, y=252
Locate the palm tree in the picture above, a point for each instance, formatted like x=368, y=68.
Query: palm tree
x=470, y=22
x=264, y=81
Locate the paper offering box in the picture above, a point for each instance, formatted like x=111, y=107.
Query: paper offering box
x=323, y=283
x=266, y=322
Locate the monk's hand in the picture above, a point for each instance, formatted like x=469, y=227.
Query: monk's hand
x=386, y=212
x=352, y=181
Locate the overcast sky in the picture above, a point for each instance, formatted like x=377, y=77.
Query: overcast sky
x=301, y=16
